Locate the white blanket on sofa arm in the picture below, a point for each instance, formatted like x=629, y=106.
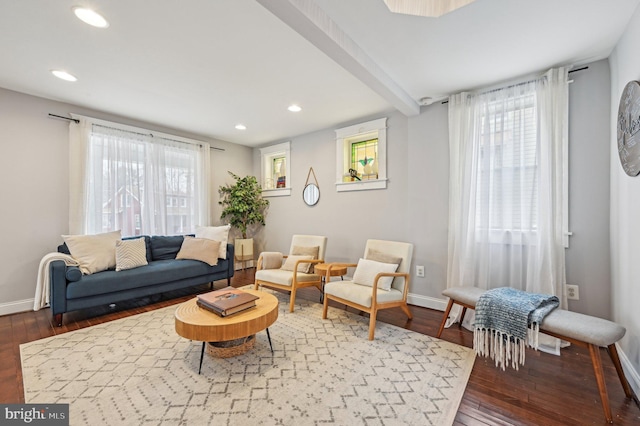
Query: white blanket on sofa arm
x=41, y=299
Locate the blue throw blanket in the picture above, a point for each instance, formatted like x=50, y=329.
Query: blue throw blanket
x=503, y=316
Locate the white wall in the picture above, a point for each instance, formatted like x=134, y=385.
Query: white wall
x=35, y=195
x=625, y=210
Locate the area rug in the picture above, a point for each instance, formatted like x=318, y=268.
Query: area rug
x=137, y=370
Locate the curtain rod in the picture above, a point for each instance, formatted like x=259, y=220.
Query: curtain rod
x=64, y=118
x=75, y=120
x=518, y=84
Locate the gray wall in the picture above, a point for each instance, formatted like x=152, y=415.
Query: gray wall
x=35, y=194
x=343, y=217
x=588, y=256
x=415, y=205
x=413, y=208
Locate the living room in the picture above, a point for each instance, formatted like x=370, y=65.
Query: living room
x=414, y=207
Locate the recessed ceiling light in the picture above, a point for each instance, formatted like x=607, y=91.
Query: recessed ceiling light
x=294, y=108
x=241, y=127
x=64, y=75
x=90, y=17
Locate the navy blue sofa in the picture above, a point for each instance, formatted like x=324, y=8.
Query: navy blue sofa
x=71, y=290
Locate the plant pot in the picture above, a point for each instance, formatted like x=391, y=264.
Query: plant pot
x=244, y=250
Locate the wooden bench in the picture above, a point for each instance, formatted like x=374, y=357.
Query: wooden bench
x=579, y=329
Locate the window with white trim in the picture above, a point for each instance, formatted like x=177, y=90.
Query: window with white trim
x=143, y=183
x=361, y=160
x=275, y=170
x=507, y=193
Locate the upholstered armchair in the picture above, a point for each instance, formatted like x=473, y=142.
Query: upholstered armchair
x=295, y=270
x=380, y=281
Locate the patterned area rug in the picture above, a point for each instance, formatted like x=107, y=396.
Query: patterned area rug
x=137, y=370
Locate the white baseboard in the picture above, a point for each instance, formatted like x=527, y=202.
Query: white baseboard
x=17, y=306
x=630, y=373
x=427, y=302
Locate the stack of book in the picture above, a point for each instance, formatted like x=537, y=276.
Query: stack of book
x=226, y=301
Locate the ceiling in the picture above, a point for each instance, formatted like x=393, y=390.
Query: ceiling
x=208, y=65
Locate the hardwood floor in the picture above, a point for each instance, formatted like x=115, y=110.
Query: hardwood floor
x=547, y=390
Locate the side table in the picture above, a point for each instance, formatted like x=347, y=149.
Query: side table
x=328, y=270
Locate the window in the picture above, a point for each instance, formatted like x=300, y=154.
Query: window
x=364, y=159
x=361, y=156
x=141, y=183
x=275, y=170
x=507, y=196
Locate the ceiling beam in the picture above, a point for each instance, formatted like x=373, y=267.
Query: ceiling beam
x=311, y=22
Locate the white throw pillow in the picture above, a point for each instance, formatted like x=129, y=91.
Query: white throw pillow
x=95, y=253
x=291, y=260
x=202, y=249
x=367, y=270
x=131, y=254
x=217, y=233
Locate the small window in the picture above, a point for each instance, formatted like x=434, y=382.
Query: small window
x=364, y=159
x=361, y=156
x=276, y=179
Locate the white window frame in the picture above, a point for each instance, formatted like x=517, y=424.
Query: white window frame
x=266, y=169
x=347, y=136
x=79, y=141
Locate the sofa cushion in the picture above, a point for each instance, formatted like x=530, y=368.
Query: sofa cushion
x=379, y=256
x=156, y=272
x=216, y=233
x=201, y=249
x=306, y=251
x=282, y=277
x=73, y=273
x=290, y=263
x=95, y=253
x=360, y=294
x=165, y=247
x=131, y=253
x=147, y=243
x=367, y=270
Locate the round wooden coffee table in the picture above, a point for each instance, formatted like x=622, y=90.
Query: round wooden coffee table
x=195, y=323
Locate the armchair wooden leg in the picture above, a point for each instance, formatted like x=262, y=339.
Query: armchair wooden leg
x=292, y=299
x=406, y=310
x=372, y=323
x=256, y=286
x=325, y=307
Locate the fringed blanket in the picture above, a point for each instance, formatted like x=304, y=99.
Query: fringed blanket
x=503, y=317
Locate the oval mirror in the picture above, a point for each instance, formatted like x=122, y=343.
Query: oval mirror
x=311, y=194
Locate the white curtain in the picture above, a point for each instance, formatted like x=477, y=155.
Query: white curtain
x=508, y=187
x=129, y=179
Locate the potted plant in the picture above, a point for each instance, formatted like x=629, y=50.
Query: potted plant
x=243, y=206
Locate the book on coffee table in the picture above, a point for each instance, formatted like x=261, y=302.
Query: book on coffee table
x=226, y=301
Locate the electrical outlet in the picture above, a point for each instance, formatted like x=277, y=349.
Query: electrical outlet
x=573, y=293
x=419, y=271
